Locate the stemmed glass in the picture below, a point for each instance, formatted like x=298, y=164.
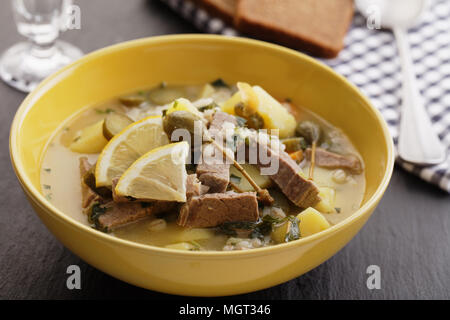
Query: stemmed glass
x=26, y=64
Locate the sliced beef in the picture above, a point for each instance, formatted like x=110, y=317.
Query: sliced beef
x=215, y=172
x=214, y=209
x=194, y=187
x=301, y=191
x=331, y=160
x=215, y=176
x=113, y=215
x=88, y=196
x=219, y=120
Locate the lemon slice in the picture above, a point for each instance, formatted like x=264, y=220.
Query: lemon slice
x=160, y=174
x=125, y=147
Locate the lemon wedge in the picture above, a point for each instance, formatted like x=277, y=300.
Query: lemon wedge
x=125, y=147
x=160, y=174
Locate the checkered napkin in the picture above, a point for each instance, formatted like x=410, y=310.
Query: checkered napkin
x=370, y=61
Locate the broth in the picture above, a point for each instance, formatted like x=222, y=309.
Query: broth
x=60, y=177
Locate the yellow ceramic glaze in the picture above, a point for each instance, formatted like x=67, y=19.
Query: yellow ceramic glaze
x=197, y=59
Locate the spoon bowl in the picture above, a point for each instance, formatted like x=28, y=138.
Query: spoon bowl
x=394, y=13
x=418, y=142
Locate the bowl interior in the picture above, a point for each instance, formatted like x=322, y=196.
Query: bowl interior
x=195, y=60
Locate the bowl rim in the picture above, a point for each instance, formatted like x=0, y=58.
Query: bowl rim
x=34, y=193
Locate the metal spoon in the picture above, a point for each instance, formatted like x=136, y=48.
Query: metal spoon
x=418, y=142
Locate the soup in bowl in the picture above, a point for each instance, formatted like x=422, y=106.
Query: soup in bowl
x=201, y=165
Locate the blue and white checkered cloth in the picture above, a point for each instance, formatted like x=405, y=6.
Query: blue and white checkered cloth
x=370, y=61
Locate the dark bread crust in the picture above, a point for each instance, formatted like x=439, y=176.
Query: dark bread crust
x=317, y=27
x=224, y=9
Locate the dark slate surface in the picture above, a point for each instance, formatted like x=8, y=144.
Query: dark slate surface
x=408, y=236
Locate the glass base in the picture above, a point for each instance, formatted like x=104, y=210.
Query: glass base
x=23, y=67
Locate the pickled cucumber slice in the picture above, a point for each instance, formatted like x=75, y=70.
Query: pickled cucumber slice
x=114, y=123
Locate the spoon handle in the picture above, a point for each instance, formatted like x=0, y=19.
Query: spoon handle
x=418, y=143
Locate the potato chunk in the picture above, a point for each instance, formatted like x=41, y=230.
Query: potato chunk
x=327, y=196
x=183, y=104
x=311, y=221
x=195, y=234
x=274, y=115
x=185, y=246
x=90, y=140
x=262, y=181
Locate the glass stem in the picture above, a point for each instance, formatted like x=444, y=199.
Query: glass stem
x=42, y=51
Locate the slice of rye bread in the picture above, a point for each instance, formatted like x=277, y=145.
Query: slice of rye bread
x=224, y=9
x=316, y=27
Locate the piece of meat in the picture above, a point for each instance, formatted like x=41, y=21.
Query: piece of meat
x=85, y=166
x=331, y=160
x=108, y=215
x=215, y=176
x=120, y=214
x=219, y=121
x=214, y=169
x=301, y=191
x=194, y=187
x=214, y=209
x=88, y=196
x=114, y=215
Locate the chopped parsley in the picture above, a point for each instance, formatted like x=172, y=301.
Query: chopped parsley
x=96, y=211
x=294, y=231
x=261, y=228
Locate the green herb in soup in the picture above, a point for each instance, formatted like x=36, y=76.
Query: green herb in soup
x=210, y=167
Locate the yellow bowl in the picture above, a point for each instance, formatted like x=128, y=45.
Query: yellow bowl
x=191, y=59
